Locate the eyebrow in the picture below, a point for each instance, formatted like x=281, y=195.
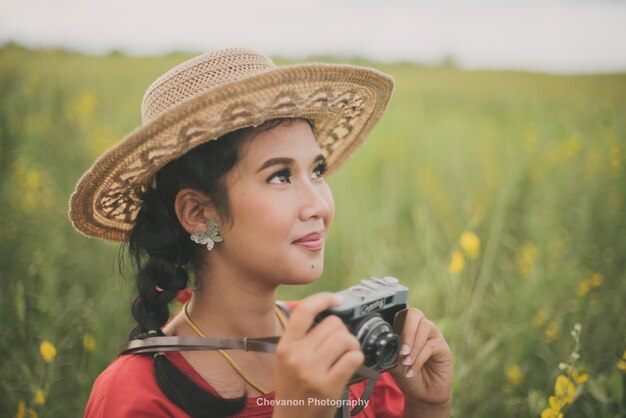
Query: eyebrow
x=285, y=161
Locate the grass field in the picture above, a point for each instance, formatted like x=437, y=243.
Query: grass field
x=498, y=197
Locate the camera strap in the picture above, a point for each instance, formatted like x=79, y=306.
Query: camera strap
x=161, y=344
x=345, y=411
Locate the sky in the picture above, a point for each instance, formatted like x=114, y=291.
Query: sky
x=560, y=36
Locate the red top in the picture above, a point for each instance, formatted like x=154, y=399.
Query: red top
x=128, y=388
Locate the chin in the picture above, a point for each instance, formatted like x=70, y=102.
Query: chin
x=303, y=277
x=301, y=270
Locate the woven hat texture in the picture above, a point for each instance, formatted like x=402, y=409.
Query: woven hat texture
x=211, y=95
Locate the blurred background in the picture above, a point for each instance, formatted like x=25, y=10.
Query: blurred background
x=494, y=185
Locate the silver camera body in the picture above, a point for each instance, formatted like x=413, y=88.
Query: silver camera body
x=369, y=310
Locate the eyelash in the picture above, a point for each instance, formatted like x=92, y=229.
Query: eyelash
x=286, y=171
x=283, y=171
x=321, y=168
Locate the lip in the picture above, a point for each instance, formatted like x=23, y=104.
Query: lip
x=312, y=242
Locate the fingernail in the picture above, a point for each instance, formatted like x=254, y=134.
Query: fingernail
x=410, y=373
x=338, y=298
x=407, y=361
x=405, y=350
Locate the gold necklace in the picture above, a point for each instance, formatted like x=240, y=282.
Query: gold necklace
x=228, y=358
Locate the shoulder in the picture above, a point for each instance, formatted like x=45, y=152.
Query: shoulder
x=128, y=388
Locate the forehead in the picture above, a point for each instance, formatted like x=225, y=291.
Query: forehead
x=293, y=139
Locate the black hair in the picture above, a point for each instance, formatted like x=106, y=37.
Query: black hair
x=161, y=251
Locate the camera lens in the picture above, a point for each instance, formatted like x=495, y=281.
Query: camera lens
x=379, y=344
x=388, y=348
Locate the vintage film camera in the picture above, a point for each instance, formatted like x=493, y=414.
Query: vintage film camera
x=369, y=310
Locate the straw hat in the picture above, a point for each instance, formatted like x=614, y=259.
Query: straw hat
x=211, y=95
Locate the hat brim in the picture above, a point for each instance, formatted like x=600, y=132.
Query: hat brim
x=344, y=102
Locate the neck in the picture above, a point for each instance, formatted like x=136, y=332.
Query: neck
x=233, y=306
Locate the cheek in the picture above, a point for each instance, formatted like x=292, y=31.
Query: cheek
x=328, y=196
x=258, y=216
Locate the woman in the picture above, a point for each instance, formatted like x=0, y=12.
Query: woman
x=225, y=181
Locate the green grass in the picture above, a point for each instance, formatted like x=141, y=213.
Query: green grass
x=531, y=163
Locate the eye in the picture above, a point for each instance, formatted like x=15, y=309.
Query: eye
x=320, y=170
x=282, y=176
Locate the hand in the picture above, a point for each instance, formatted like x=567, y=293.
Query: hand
x=424, y=370
x=314, y=363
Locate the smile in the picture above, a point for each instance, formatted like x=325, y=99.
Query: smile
x=312, y=242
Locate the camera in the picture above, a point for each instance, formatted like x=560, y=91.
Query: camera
x=369, y=310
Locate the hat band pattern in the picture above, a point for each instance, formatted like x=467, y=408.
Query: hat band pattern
x=116, y=207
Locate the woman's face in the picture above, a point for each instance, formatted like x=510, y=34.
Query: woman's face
x=280, y=205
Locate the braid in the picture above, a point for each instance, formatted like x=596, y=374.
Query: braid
x=162, y=275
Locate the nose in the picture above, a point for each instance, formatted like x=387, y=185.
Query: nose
x=317, y=201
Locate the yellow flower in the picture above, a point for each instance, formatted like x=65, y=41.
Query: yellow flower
x=47, y=351
x=89, y=342
x=40, y=397
x=32, y=413
x=554, y=410
x=564, y=389
x=470, y=243
x=588, y=284
x=549, y=413
x=555, y=403
x=551, y=332
x=571, y=147
x=21, y=409
x=579, y=378
x=514, y=374
x=583, y=288
x=81, y=108
x=33, y=179
x=527, y=258
x=457, y=262
x=597, y=279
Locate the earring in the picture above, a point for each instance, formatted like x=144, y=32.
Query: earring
x=208, y=237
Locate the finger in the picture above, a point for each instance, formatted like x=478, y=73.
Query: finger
x=432, y=349
x=435, y=345
x=303, y=315
x=411, y=322
x=424, y=355
x=334, y=347
x=426, y=329
x=324, y=331
x=345, y=367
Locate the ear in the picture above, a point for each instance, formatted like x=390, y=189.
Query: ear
x=194, y=209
